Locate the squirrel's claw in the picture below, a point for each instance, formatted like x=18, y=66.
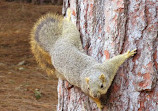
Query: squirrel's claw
x=68, y=14
x=98, y=102
x=100, y=106
x=131, y=53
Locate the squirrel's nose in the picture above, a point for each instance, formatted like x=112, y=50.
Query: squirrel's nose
x=95, y=95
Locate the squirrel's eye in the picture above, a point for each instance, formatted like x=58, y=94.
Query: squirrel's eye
x=101, y=86
x=88, y=88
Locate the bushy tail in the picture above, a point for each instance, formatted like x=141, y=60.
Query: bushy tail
x=43, y=36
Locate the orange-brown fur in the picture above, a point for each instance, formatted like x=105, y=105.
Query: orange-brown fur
x=42, y=57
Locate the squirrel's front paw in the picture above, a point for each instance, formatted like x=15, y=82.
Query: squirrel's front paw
x=98, y=102
x=131, y=53
x=100, y=106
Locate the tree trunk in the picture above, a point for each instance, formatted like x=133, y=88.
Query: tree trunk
x=107, y=29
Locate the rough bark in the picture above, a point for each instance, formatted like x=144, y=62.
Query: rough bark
x=109, y=28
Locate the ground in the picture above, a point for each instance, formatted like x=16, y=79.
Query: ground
x=23, y=85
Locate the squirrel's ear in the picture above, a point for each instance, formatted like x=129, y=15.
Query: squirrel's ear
x=102, y=77
x=87, y=80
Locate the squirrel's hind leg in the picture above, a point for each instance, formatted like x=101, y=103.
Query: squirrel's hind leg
x=68, y=15
x=58, y=75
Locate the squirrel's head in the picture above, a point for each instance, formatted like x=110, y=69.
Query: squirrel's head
x=96, y=85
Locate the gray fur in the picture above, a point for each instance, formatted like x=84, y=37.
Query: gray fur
x=46, y=34
x=71, y=63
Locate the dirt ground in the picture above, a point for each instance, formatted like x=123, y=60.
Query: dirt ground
x=23, y=85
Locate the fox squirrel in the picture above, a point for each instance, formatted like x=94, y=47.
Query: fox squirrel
x=56, y=45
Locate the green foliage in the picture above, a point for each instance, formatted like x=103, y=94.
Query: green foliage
x=37, y=94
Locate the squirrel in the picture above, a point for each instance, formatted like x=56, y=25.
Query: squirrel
x=56, y=45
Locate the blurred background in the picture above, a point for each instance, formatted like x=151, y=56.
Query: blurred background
x=23, y=85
